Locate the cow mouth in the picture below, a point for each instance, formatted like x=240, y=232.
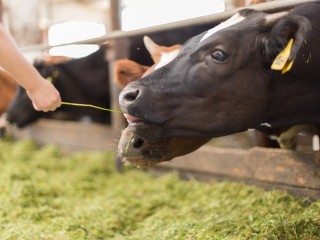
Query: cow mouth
x=132, y=120
x=140, y=162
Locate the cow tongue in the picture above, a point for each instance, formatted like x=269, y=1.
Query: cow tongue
x=131, y=119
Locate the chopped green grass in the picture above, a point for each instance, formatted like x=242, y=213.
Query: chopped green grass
x=45, y=194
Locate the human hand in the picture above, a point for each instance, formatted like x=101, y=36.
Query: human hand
x=44, y=96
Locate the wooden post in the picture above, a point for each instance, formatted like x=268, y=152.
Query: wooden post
x=115, y=50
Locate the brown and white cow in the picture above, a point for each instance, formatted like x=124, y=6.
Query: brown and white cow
x=221, y=83
x=126, y=71
x=7, y=89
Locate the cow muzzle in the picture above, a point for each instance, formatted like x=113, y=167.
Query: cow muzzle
x=140, y=151
x=127, y=97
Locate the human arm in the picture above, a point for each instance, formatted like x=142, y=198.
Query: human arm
x=42, y=93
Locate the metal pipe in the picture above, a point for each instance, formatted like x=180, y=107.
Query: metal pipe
x=215, y=18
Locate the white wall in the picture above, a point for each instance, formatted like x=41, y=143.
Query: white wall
x=21, y=17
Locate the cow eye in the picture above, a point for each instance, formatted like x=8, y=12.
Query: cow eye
x=219, y=56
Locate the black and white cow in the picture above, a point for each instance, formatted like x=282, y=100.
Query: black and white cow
x=222, y=83
x=83, y=80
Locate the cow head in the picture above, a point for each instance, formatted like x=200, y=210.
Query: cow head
x=127, y=71
x=21, y=111
x=217, y=85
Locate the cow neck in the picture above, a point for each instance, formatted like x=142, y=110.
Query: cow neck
x=292, y=101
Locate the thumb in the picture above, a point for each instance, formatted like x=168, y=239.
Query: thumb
x=35, y=107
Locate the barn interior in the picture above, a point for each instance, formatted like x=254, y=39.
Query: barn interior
x=60, y=29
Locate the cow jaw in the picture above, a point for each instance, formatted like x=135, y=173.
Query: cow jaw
x=142, y=146
x=136, y=148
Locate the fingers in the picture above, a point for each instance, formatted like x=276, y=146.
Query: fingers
x=55, y=106
x=36, y=107
x=45, y=97
x=51, y=108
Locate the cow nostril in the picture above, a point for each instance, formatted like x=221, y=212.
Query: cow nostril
x=132, y=95
x=137, y=143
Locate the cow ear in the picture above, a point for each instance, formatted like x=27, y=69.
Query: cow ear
x=284, y=28
x=126, y=71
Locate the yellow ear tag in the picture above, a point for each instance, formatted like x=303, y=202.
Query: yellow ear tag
x=49, y=79
x=280, y=63
x=287, y=67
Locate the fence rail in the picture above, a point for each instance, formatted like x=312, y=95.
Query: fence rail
x=214, y=18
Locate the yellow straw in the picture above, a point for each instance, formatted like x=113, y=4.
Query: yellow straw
x=90, y=105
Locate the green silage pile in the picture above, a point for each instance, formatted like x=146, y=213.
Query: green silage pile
x=47, y=195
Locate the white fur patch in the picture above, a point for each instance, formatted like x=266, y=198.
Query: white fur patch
x=266, y=125
x=236, y=18
x=315, y=143
x=3, y=120
x=167, y=57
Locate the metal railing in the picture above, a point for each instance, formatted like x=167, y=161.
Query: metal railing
x=215, y=18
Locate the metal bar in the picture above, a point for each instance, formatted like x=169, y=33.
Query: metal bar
x=117, y=120
x=215, y=18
